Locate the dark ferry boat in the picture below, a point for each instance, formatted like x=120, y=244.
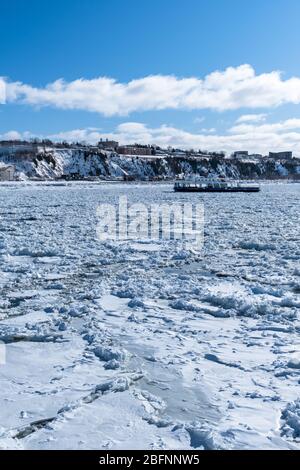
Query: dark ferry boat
x=215, y=186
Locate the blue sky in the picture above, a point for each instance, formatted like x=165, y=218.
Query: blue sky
x=181, y=43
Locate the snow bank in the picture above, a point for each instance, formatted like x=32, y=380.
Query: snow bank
x=291, y=420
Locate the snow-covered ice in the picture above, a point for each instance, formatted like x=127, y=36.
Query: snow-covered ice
x=115, y=345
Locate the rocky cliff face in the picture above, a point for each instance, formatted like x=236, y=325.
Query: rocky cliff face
x=81, y=163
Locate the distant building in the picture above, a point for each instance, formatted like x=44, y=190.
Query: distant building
x=240, y=154
x=7, y=172
x=12, y=152
x=281, y=155
x=12, y=148
x=108, y=144
x=134, y=150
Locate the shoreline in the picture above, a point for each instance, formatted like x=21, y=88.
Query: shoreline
x=60, y=182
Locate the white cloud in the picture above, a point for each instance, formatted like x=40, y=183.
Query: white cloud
x=135, y=128
x=233, y=88
x=11, y=135
x=265, y=129
x=2, y=90
x=252, y=118
x=91, y=135
x=198, y=120
x=259, y=138
x=256, y=139
x=211, y=130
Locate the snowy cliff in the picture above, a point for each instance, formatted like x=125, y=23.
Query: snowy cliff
x=54, y=163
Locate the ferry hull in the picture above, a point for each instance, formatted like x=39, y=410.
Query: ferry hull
x=217, y=190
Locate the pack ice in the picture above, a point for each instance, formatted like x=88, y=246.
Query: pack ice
x=142, y=344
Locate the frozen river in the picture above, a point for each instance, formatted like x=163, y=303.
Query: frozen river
x=109, y=345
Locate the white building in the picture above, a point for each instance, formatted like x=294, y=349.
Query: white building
x=7, y=172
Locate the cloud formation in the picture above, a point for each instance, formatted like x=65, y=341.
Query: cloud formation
x=2, y=90
x=13, y=135
x=260, y=138
x=233, y=88
x=252, y=118
x=266, y=129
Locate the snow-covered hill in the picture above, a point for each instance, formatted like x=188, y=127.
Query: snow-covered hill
x=55, y=163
